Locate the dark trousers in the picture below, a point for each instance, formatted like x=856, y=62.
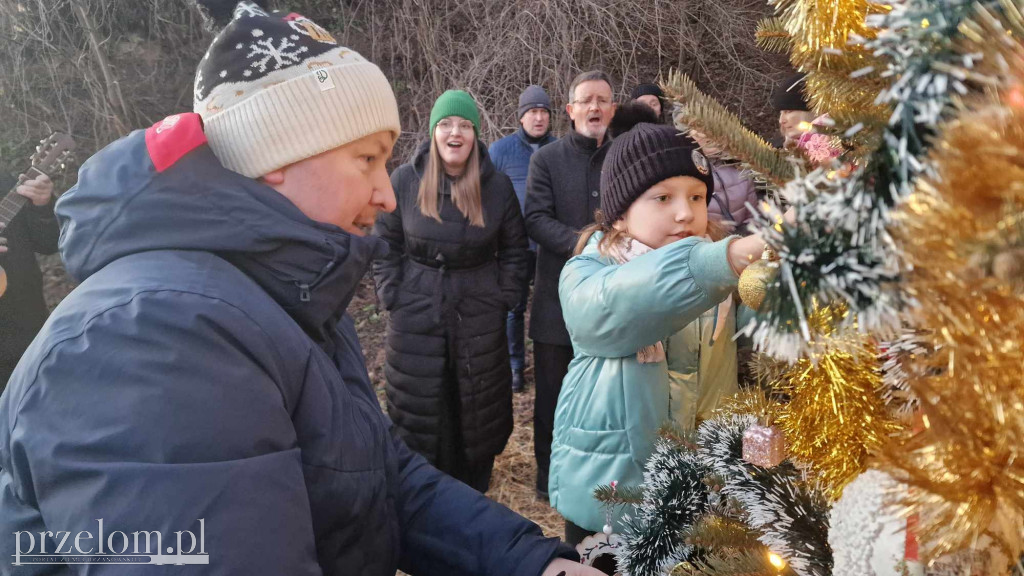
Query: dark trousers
x=515, y=328
x=550, y=363
x=574, y=535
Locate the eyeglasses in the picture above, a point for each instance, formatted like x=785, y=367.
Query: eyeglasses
x=453, y=127
x=601, y=102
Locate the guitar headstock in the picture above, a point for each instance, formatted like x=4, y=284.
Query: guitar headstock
x=53, y=153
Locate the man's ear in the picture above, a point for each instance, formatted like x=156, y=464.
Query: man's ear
x=274, y=178
x=568, y=110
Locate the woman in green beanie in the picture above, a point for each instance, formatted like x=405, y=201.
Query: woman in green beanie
x=456, y=265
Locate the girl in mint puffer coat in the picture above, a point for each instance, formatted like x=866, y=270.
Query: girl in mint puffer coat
x=649, y=308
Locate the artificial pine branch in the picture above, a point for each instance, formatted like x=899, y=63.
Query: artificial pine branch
x=701, y=112
x=792, y=518
x=771, y=36
x=675, y=496
x=752, y=562
x=715, y=532
x=619, y=495
x=686, y=440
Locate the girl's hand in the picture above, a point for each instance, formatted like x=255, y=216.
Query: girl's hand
x=563, y=567
x=746, y=250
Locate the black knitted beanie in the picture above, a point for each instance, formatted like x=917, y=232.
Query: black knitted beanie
x=789, y=94
x=643, y=156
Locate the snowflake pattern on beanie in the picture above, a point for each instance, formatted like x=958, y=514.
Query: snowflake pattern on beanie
x=255, y=48
x=275, y=88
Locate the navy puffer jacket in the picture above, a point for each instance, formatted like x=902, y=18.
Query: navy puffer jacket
x=205, y=369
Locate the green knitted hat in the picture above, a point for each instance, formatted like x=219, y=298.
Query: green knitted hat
x=455, y=103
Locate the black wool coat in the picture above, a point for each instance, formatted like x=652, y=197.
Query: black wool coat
x=563, y=191
x=448, y=287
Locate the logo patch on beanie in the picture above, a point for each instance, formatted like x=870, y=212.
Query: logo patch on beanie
x=700, y=162
x=323, y=78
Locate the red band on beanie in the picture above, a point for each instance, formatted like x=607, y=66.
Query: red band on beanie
x=170, y=139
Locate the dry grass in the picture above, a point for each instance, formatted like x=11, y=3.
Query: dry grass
x=515, y=470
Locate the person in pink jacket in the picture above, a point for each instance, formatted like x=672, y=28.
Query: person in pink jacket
x=735, y=194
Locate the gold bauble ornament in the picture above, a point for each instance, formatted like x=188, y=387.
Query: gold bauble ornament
x=755, y=280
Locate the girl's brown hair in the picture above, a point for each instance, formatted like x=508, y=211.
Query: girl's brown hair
x=613, y=236
x=465, y=188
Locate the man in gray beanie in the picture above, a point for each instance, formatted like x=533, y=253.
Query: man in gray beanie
x=511, y=155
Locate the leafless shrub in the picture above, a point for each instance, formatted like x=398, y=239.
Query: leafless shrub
x=98, y=68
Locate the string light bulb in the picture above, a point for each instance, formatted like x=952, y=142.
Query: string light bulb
x=776, y=560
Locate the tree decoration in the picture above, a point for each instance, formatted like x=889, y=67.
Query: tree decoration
x=895, y=357
x=764, y=446
x=757, y=279
x=818, y=26
x=791, y=517
x=966, y=465
x=867, y=534
x=915, y=39
x=837, y=256
x=835, y=417
x=699, y=111
x=675, y=496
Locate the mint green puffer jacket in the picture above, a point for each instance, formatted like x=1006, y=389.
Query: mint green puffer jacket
x=611, y=406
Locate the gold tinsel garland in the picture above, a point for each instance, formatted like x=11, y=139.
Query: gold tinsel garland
x=835, y=418
x=820, y=34
x=817, y=25
x=966, y=464
x=847, y=100
x=822, y=29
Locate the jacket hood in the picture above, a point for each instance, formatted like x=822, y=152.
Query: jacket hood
x=123, y=204
x=422, y=154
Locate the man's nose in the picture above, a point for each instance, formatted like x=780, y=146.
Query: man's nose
x=383, y=194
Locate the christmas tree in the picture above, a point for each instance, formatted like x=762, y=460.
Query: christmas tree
x=892, y=316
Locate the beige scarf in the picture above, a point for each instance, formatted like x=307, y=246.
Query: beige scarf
x=629, y=249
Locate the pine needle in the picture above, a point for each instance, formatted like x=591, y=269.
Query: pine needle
x=771, y=36
x=619, y=495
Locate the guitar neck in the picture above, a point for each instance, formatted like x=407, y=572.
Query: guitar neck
x=11, y=205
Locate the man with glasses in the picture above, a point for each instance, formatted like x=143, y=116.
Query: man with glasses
x=562, y=194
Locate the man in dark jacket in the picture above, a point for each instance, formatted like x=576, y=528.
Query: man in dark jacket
x=33, y=230
x=203, y=385
x=511, y=155
x=562, y=194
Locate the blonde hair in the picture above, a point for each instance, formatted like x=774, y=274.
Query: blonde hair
x=465, y=188
x=612, y=235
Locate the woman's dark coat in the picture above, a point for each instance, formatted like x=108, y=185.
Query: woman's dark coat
x=448, y=286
